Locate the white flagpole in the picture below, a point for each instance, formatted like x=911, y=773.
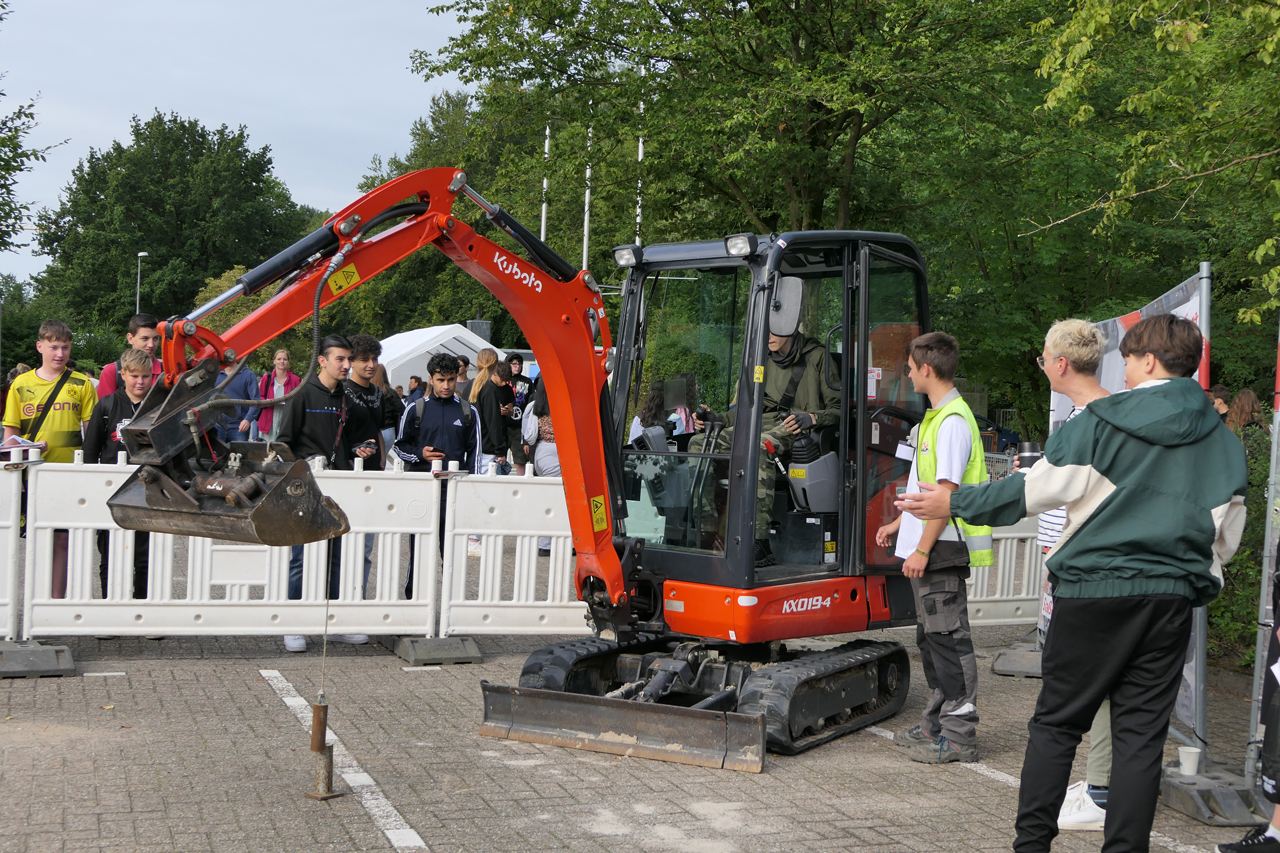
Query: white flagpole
x=546, y=156
x=639, y=176
x=586, y=208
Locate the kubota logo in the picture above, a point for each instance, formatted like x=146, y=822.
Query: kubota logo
x=802, y=605
x=511, y=268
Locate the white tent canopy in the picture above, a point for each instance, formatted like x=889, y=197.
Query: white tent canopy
x=407, y=353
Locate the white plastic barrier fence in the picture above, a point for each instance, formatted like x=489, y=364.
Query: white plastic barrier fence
x=10, y=538
x=1012, y=595
x=229, y=588
x=481, y=594
x=486, y=587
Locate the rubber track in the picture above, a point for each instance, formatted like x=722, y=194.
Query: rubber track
x=548, y=668
x=770, y=689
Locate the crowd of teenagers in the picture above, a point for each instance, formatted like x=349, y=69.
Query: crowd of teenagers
x=341, y=411
x=1141, y=497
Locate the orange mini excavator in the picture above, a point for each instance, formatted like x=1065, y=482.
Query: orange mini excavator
x=698, y=654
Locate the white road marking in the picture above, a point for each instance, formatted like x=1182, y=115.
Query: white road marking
x=100, y=674
x=384, y=815
x=1012, y=781
x=420, y=668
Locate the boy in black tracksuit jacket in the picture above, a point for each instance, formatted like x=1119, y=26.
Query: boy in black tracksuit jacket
x=447, y=430
x=102, y=445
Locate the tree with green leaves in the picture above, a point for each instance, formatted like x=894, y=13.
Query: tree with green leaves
x=1214, y=107
x=16, y=157
x=767, y=108
x=197, y=201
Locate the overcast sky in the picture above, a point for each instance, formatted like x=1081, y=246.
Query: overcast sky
x=325, y=84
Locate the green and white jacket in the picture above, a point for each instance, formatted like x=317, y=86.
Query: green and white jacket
x=1154, y=486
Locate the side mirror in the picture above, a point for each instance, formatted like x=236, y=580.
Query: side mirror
x=784, y=310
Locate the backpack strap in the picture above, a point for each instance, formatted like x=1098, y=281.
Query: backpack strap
x=421, y=403
x=48, y=406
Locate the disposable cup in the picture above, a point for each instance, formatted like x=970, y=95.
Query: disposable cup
x=1189, y=760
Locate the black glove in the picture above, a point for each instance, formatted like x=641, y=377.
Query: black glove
x=804, y=420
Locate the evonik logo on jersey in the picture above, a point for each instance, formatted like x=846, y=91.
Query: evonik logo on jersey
x=510, y=267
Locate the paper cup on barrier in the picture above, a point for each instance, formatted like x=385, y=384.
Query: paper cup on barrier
x=1188, y=760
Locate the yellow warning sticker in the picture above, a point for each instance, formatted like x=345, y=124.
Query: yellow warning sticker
x=829, y=547
x=344, y=279
x=759, y=372
x=599, y=518
x=797, y=473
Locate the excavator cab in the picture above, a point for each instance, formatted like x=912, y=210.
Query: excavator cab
x=693, y=335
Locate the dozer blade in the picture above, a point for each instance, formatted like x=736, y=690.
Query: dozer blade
x=620, y=727
x=268, y=499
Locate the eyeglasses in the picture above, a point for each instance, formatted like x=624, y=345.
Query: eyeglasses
x=1040, y=361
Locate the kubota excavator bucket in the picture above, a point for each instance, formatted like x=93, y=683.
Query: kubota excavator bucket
x=703, y=738
x=190, y=484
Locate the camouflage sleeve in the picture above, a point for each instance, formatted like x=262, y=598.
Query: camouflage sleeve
x=829, y=413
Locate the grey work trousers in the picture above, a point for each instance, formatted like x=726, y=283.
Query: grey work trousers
x=946, y=653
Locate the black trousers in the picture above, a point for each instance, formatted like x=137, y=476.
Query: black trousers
x=1131, y=649
x=141, y=550
x=413, y=545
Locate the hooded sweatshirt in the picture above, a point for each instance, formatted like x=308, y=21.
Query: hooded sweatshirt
x=1154, y=485
x=315, y=424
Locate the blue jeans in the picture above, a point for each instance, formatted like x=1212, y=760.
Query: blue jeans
x=295, y=569
x=229, y=434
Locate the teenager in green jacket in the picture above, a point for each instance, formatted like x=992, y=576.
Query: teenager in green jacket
x=1154, y=486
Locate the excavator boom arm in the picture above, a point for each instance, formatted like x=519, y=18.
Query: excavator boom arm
x=561, y=314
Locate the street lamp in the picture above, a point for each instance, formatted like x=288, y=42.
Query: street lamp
x=137, y=298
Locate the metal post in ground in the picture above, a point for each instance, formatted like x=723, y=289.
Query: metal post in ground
x=324, y=753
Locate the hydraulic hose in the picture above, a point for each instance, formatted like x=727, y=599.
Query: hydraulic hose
x=227, y=403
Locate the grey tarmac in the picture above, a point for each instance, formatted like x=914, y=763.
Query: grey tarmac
x=191, y=749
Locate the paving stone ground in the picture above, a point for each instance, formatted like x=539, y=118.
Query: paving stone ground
x=192, y=750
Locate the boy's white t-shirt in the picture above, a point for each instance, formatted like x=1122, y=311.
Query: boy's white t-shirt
x=955, y=443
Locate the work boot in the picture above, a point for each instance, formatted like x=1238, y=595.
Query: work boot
x=942, y=751
x=764, y=554
x=911, y=737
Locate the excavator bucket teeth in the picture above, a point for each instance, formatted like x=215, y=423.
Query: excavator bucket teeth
x=268, y=499
x=619, y=727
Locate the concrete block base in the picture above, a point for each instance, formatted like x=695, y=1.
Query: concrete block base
x=1020, y=661
x=32, y=660
x=425, y=651
x=1215, y=797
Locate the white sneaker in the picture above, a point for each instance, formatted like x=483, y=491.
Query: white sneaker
x=353, y=639
x=295, y=643
x=1080, y=812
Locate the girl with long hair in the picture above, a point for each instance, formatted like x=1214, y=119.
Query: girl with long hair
x=486, y=360
x=1245, y=411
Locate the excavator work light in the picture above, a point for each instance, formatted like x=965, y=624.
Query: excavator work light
x=627, y=256
x=740, y=245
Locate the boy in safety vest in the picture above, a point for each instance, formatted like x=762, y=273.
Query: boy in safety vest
x=937, y=556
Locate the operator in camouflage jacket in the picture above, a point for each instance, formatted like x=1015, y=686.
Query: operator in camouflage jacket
x=813, y=405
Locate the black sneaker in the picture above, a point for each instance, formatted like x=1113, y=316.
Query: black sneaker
x=764, y=554
x=1257, y=841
